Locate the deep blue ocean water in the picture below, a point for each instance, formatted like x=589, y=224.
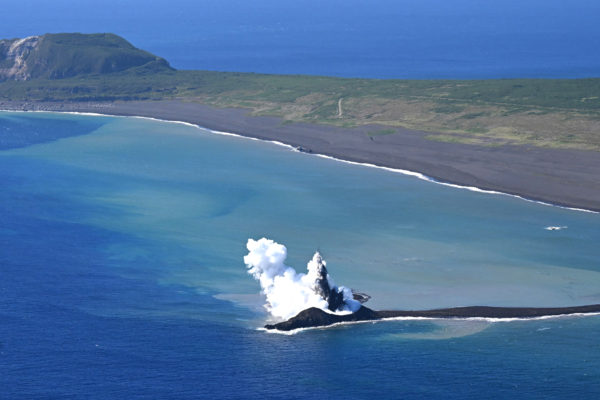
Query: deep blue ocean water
x=121, y=240
x=121, y=245
x=463, y=39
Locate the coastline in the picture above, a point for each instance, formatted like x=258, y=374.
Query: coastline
x=392, y=319
x=561, y=177
x=317, y=318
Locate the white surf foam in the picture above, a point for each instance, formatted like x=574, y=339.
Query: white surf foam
x=414, y=174
x=555, y=228
x=482, y=319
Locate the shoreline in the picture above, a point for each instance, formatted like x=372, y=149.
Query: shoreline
x=396, y=319
x=554, y=177
x=313, y=317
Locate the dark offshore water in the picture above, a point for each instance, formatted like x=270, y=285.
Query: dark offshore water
x=121, y=272
x=121, y=241
x=422, y=39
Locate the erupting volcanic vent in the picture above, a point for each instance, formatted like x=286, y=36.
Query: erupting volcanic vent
x=288, y=292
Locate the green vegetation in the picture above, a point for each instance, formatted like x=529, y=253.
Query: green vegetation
x=546, y=112
x=63, y=55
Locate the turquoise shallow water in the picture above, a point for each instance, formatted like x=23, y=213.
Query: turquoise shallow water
x=122, y=240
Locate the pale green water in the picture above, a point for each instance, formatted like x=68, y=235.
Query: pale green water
x=408, y=243
x=121, y=272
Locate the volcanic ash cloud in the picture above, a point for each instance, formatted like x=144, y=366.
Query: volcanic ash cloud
x=288, y=292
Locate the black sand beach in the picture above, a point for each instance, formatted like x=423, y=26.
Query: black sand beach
x=558, y=176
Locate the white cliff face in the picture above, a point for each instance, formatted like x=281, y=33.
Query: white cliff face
x=13, y=56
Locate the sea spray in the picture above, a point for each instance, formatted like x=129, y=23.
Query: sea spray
x=288, y=292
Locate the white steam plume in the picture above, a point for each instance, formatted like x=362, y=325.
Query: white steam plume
x=288, y=292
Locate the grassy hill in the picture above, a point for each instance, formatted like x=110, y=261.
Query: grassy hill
x=63, y=55
x=542, y=112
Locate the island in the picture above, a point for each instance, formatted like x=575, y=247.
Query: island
x=534, y=138
x=317, y=318
x=318, y=302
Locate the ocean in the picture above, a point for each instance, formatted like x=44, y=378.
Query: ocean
x=122, y=273
x=122, y=239
x=425, y=39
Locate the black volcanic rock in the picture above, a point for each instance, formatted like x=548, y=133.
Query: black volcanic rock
x=492, y=312
x=334, y=297
x=360, y=297
x=315, y=317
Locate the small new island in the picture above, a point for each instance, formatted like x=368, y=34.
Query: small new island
x=313, y=300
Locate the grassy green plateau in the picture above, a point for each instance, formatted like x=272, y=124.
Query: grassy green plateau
x=560, y=113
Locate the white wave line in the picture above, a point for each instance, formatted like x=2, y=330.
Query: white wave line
x=406, y=172
x=424, y=177
x=375, y=321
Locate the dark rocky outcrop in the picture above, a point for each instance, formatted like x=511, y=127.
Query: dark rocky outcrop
x=333, y=296
x=314, y=317
x=362, y=298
